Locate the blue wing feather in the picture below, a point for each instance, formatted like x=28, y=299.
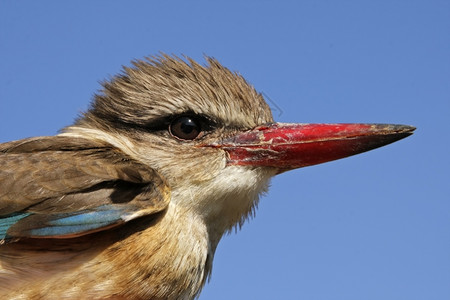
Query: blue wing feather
x=7, y=221
x=62, y=225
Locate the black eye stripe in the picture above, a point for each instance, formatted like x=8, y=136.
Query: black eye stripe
x=187, y=126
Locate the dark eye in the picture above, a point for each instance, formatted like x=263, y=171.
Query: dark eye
x=185, y=128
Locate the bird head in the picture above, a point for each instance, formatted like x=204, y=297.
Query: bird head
x=211, y=136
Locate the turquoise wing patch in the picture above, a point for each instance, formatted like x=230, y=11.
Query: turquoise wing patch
x=61, y=225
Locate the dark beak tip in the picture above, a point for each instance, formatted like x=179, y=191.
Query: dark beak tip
x=399, y=128
x=392, y=133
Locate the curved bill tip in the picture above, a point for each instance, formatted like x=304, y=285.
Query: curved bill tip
x=288, y=146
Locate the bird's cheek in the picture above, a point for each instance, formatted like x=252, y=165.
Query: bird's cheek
x=193, y=167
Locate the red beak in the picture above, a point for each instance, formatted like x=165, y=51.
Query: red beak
x=289, y=146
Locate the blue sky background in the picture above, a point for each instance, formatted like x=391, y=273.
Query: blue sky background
x=374, y=226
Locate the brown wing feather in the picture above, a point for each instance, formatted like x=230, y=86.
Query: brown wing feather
x=51, y=175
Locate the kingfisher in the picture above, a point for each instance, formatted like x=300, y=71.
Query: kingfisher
x=131, y=201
